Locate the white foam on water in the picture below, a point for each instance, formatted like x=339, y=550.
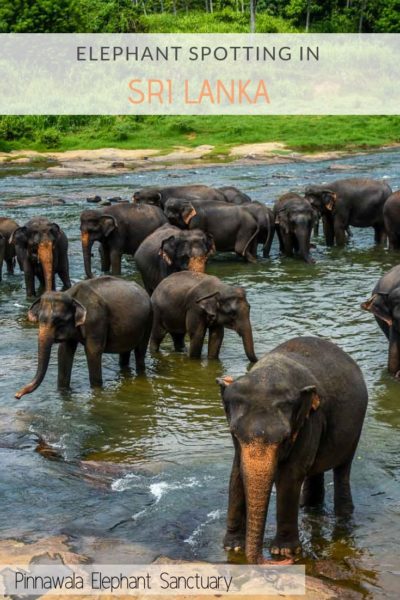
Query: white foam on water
x=193, y=538
x=159, y=489
x=124, y=483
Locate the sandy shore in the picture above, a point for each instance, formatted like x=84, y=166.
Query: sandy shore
x=113, y=161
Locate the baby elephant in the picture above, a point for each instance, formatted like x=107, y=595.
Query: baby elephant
x=194, y=303
x=294, y=220
x=106, y=315
x=170, y=249
x=298, y=413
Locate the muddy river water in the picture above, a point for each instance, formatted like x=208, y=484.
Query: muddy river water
x=156, y=451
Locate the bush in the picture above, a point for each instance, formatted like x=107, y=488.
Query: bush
x=50, y=138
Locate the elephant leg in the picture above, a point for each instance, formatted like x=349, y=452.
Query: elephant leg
x=380, y=235
x=115, y=257
x=288, y=489
x=215, y=339
x=246, y=244
x=279, y=234
x=196, y=329
x=93, y=357
x=268, y=243
x=158, y=332
x=124, y=359
x=63, y=273
x=340, y=233
x=343, y=502
x=10, y=265
x=394, y=354
x=66, y=353
x=236, y=517
x=105, y=258
x=329, y=232
x=179, y=341
x=141, y=349
x=29, y=280
x=313, y=491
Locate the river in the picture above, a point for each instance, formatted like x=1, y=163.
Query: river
x=156, y=450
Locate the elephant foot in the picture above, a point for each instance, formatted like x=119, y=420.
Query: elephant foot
x=397, y=375
x=284, y=547
x=234, y=541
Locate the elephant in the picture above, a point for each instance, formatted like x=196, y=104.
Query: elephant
x=296, y=414
x=232, y=227
x=42, y=250
x=234, y=196
x=384, y=304
x=105, y=315
x=160, y=195
x=194, y=303
x=7, y=249
x=350, y=202
x=391, y=219
x=170, y=249
x=294, y=221
x=120, y=229
x=266, y=225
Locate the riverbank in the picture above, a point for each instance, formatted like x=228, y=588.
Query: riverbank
x=117, y=161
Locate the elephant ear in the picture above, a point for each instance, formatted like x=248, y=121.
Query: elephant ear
x=55, y=230
x=19, y=236
x=378, y=306
x=329, y=199
x=209, y=304
x=167, y=250
x=33, y=312
x=188, y=213
x=80, y=313
x=109, y=224
x=309, y=400
x=282, y=220
x=210, y=245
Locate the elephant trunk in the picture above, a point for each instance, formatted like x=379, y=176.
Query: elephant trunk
x=45, y=255
x=87, y=244
x=258, y=466
x=394, y=355
x=246, y=334
x=303, y=239
x=45, y=342
x=197, y=264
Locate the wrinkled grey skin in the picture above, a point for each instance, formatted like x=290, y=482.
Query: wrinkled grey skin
x=119, y=229
x=42, y=250
x=169, y=250
x=233, y=228
x=195, y=303
x=7, y=249
x=294, y=221
x=234, y=196
x=106, y=315
x=350, y=202
x=384, y=304
x=391, y=219
x=266, y=225
x=298, y=413
x=160, y=195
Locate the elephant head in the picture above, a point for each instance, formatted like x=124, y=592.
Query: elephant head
x=36, y=240
x=385, y=306
x=179, y=212
x=150, y=195
x=96, y=226
x=265, y=413
x=322, y=199
x=187, y=251
x=297, y=219
x=229, y=307
x=59, y=316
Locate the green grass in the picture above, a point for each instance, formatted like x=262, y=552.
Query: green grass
x=300, y=133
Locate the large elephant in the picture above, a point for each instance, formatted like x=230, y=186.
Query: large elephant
x=106, y=315
x=193, y=303
x=7, y=249
x=234, y=196
x=298, y=413
x=160, y=195
x=294, y=221
x=232, y=227
x=384, y=304
x=350, y=202
x=42, y=250
x=169, y=250
x=120, y=230
x=266, y=225
x=391, y=219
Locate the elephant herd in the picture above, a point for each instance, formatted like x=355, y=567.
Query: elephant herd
x=299, y=411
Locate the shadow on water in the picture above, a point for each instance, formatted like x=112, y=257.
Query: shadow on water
x=146, y=461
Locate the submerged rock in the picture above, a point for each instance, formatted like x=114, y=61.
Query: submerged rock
x=93, y=199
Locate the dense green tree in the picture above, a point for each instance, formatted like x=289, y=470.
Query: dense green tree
x=40, y=16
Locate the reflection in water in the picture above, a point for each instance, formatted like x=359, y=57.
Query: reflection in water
x=156, y=448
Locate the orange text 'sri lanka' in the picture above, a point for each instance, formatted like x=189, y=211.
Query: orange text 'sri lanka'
x=166, y=91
